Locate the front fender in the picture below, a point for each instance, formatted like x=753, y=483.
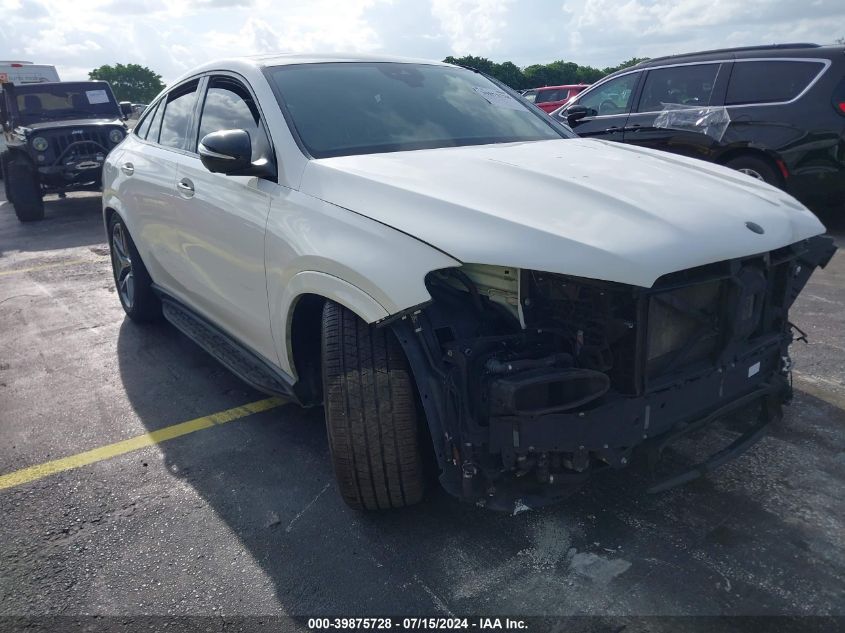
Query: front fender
x=329, y=287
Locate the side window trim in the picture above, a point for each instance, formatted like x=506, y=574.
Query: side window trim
x=193, y=128
x=826, y=63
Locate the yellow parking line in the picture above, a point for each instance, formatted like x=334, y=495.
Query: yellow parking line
x=25, y=475
x=33, y=269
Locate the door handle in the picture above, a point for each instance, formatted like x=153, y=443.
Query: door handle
x=634, y=128
x=127, y=168
x=613, y=128
x=185, y=187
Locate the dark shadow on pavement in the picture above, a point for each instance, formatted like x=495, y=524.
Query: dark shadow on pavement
x=750, y=540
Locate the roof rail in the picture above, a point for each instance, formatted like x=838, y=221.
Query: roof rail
x=737, y=49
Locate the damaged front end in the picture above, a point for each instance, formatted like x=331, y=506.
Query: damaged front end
x=532, y=381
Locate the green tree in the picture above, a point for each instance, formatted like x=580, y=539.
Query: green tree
x=551, y=74
x=130, y=82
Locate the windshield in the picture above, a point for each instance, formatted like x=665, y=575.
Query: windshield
x=46, y=102
x=340, y=109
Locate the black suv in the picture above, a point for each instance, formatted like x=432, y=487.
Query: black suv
x=776, y=113
x=57, y=137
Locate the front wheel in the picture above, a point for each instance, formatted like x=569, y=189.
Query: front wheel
x=23, y=190
x=131, y=279
x=371, y=413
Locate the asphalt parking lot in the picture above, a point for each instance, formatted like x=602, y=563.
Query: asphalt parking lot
x=243, y=518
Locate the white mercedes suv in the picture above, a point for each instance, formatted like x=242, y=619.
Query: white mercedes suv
x=457, y=277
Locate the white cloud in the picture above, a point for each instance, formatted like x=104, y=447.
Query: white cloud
x=472, y=26
x=171, y=36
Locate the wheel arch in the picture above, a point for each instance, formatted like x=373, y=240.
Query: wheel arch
x=301, y=309
x=754, y=152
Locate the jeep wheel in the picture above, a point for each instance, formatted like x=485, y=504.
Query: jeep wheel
x=133, y=282
x=4, y=167
x=371, y=413
x=23, y=190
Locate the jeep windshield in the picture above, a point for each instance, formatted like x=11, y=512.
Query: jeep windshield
x=65, y=100
x=346, y=108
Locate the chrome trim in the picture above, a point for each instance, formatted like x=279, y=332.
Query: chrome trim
x=825, y=62
x=204, y=151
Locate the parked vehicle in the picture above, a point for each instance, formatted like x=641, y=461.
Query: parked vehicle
x=406, y=261
x=57, y=137
x=776, y=113
x=20, y=73
x=550, y=98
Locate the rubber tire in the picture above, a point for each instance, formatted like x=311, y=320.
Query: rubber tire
x=761, y=166
x=4, y=160
x=24, y=190
x=146, y=306
x=371, y=413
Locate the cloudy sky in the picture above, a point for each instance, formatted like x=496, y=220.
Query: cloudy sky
x=171, y=36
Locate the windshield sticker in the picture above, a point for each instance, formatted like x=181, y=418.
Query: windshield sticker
x=498, y=98
x=97, y=96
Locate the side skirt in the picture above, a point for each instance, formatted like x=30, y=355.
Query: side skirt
x=241, y=361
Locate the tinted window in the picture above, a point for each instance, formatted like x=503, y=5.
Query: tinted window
x=769, y=81
x=612, y=97
x=144, y=125
x=66, y=100
x=177, y=118
x=544, y=96
x=155, y=126
x=686, y=85
x=388, y=107
x=229, y=106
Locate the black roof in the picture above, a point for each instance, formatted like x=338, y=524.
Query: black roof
x=772, y=50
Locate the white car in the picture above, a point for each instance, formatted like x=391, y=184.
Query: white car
x=454, y=275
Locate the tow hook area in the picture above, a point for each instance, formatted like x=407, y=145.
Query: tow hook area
x=769, y=397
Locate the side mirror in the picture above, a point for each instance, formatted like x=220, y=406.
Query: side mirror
x=230, y=152
x=575, y=112
x=126, y=109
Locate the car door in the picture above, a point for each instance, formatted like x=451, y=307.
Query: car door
x=146, y=185
x=223, y=221
x=608, y=105
x=669, y=114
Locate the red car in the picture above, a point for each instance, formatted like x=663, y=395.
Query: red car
x=550, y=98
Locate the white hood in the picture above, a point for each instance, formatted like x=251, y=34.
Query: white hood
x=579, y=207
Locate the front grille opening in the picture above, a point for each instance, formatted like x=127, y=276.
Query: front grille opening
x=683, y=327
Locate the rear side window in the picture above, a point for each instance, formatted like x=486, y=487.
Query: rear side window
x=530, y=96
x=685, y=85
x=144, y=126
x=155, y=126
x=177, y=117
x=769, y=81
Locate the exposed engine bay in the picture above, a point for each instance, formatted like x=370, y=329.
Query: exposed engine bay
x=533, y=381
